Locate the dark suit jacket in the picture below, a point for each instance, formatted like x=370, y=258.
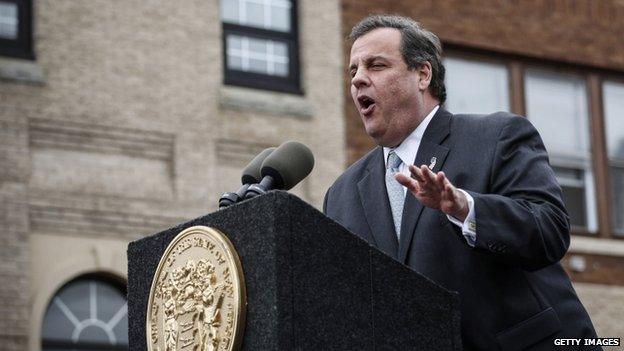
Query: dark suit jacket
x=514, y=294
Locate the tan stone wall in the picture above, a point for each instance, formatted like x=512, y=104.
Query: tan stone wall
x=316, y=119
x=14, y=256
x=605, y=305
x=124, y=128
x=62, y=258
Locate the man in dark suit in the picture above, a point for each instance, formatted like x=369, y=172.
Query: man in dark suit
x=468, y=201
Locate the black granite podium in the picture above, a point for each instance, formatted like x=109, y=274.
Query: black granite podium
x=311, y=284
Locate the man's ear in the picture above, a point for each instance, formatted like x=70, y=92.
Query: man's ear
x=424, y=73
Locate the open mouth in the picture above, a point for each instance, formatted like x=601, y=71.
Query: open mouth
x=367, y=104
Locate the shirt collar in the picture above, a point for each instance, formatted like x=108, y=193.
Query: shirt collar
x=409, y=146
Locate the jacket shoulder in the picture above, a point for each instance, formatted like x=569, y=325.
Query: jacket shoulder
x=357, y=170
x=487, y=124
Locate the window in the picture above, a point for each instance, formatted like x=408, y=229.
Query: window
x=557, y=107
x=86, y=314
x=576, y=109
x=613, y=95
x=260, y=44
x=16, y=28
x=462, y=97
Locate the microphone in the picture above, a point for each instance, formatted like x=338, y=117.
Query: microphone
x=283, y=169
x=251, y=175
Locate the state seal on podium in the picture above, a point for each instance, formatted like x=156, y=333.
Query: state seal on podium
x=197, y=298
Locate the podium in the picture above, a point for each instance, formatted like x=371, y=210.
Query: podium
x=310, y=284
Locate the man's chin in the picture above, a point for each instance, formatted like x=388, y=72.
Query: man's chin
x=378, y=134
x=374, y=134
x=380, y=140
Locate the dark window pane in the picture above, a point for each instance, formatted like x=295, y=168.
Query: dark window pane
x=574, y=199
x=613, y=94
x=257, y=66
x=56, y=325
x=617, y=185
x=614, y=123
x=16, y=28
x=87, y=314
x=575, y=188
x=9, y=20
x=95, y=334
x=109, y=301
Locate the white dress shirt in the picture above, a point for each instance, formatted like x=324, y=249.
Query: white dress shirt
x=407, y=151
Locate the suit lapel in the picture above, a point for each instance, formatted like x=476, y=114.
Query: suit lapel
x=436, y=132
x=374, y=199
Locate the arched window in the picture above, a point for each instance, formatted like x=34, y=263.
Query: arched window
x=88, y=313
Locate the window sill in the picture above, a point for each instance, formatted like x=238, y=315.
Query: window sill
x=596, y=246
x=263, y=102
x=22, y=71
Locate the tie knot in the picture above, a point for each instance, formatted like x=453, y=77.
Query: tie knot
x=393, y=160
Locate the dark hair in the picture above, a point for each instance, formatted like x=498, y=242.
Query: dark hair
x=418, y=46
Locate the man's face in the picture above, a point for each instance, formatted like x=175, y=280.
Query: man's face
x=385, y=92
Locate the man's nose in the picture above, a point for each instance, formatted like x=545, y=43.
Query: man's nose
x=360, y=79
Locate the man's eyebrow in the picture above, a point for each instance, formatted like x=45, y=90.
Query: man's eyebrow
x=375, y=57
x=369, y=59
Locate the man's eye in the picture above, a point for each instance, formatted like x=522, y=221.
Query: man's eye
x=378, y=65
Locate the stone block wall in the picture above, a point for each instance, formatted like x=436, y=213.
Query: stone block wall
x=124, y=128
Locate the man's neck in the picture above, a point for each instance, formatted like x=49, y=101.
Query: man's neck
x=408, y=147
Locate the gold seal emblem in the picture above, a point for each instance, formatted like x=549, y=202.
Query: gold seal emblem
x=197, y=299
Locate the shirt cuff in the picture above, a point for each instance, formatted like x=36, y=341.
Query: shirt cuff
x=469, y=225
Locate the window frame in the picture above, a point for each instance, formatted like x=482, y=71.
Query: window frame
x=289, y=84
x=102, y=277
x=22, y=47
x=608, y=197
x=576, y=161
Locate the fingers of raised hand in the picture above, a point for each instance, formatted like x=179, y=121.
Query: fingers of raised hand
x=428, y=174
x=441, y=181
x=407, y=182
x=449, y=189
x=417, y=173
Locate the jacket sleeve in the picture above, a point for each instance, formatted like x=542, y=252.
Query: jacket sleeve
x=522, y=221
x=325, y=201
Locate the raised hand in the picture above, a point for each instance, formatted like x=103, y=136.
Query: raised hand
x=434, y=190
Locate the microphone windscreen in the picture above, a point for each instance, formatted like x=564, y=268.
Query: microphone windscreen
x=288, y=164
x=252, y=173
